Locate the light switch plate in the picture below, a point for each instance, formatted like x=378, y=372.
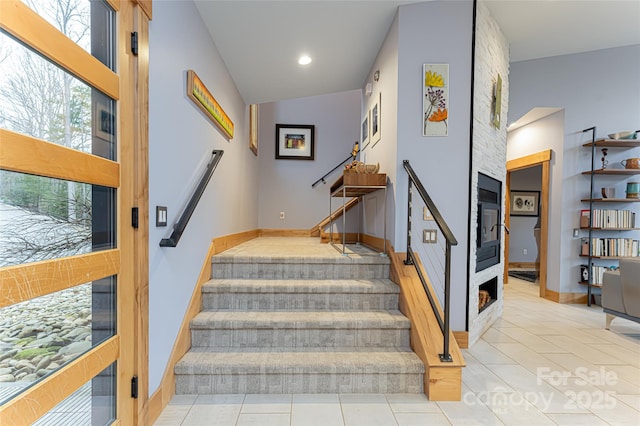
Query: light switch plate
x=161, y=216
x=429, y=236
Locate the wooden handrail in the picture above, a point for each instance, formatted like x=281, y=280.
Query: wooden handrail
x=337, y=213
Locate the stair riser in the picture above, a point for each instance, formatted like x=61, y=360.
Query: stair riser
x=299, y=302
x=304, y=338
x=293, y=271
x=298, y=383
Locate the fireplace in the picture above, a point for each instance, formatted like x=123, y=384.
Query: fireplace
x=489, y=221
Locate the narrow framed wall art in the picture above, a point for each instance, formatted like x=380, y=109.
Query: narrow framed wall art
x=435, y=99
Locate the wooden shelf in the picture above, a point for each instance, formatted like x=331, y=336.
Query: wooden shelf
x=592, y=285
x=358, y=184
x=611, y=200
x=615, y=143
x=610, y=257
x=613, y=172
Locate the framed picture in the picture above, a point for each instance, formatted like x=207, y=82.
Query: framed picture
x=435, y=99
x=294, y=142
x=253, y=128
x=204, y=100
x=525, y=203
x=104, y=125
x=376, y=120
x=364, y=132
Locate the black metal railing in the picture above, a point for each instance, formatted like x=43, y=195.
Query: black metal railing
x=181, y=224
x=590, y=237
x=354, y=152
x=450, y=240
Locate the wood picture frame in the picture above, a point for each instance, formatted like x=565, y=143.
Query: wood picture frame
x=200, y=95
x=294, y=141
x=525, y=203
x=253, y=128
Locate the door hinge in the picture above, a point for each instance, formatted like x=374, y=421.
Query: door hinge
x=134, y=387
x=134, y=217
x=134, y=43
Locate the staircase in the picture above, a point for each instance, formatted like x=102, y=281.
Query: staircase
x=291, y=315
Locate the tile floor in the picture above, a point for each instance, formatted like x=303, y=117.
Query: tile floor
x=541, y=364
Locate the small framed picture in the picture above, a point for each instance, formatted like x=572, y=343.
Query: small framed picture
x=525, y=203
x=376, y=120
x=364, y=131
x=104, y=125
x=294, y=142
x=253, y=129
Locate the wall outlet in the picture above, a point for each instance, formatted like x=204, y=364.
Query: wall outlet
x=281, y=215
x=525, y=251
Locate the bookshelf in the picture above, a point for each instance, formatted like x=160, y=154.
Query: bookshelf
x=612, y=230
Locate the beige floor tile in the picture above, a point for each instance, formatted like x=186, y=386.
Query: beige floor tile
x=632, y=401
x=470, y=411
x=263, y=419
x=512, y=408
x=411, y=403
x=316, y=410
x=488, y=354
x=259, y=403
x=214, y=410
x=478, y=378
x=526, y=356
x=577, y=420
x=366, y=410
x=535, y=390
x=422, y=419
x=588, y=352
x=494, y=335
x=629, y=356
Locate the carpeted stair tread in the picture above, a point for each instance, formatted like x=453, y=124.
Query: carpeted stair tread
x=231, y=285
x=299, y=362
x=299, y=320
x=279, y=349
x=301, y=259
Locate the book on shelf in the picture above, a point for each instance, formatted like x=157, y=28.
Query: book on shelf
x=597, y=274
x=608, y=219
x=613, y=247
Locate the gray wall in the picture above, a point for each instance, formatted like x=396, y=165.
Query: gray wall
x=285, y=185
x=521, y=237
x=180, y=142
x=543, y=134
x=599, y=88
x=437, y=32
x=385, y=151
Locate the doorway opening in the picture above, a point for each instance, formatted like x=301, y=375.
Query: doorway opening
x=527, y=216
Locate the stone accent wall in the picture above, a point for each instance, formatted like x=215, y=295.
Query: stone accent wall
x=489, y=153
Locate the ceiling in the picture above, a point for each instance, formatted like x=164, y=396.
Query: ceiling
x=260, y=41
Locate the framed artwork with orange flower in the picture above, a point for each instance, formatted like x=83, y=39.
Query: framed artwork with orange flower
x=435, y=99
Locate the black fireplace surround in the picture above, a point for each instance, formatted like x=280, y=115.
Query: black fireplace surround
x=489, y=221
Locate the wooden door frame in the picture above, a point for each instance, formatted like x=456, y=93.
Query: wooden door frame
x=129, y=175
x=543, y=159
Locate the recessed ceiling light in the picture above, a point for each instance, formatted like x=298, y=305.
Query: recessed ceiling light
x=304, y=60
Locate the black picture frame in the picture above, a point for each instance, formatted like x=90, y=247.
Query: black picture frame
x=295, y=141
x=525, y=203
